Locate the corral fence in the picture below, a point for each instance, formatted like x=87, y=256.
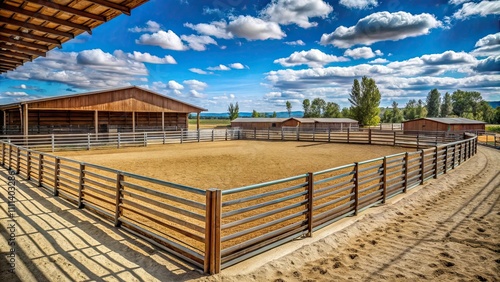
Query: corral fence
x=214, y=229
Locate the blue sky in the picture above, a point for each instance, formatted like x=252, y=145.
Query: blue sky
x=264, y=53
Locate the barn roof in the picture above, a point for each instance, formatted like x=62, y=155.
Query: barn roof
x=36, y=101
x=31, y=28
x=451, y=120
x=301, y=120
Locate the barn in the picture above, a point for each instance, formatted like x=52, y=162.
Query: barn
x=444, y=124
x=127, y=109
x=336, y=124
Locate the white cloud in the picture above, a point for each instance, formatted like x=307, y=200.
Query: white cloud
x=312, y=58
x=215, y=29
x=379, y=61
x=198, y=43
x=448, y=58
x=359, y=4
x=252, y=28
x=482, y=9
x=151, y=26
x=237, y=66
x=490, y=64
x=166, y=40
x=174, y=85
x=381, y=26
x=15, y=93
x=198, y=71
x=457, y=2
x=232, y=96
x=294, y=43
x=219, y=68
x=296, y=11
x=195, y=94
x=195, y=84
x=488, y=45
x=145, y=57
x=362, y=52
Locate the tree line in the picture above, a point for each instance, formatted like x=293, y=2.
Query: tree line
x=365, y=106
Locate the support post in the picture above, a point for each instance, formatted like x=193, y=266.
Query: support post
x=10, y=155
x=199, y=135
x=119, y=140
x=212, y=261
x=348, y=133
x=163, y=122
x=133, y=122
x=356, y=187
x=436, y=159
x=255, y=133
x=145, y=139
x=405, y=189
x=226, y=135
x=310, y=198
x=454, y=156
x=198, y=121
x=446, y=159
x=57, y=163
x=394, y=143
x=3, y=153
x=282, y=134
x=329, y=133
x=213, y=137
x=369, y=136
x=81, y=185
x=118, y=209
x=40, y=170
x=88, y=141
x=422, y=167
x=25, y=120
x=28, y=165
x=52, y=142
x=18, y=163
x=164, y=137
x=182, y=135
x=384, y=179
x=96, y=123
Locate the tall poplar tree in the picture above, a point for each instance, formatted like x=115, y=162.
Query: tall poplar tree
x=365, y=101
x=433, y=103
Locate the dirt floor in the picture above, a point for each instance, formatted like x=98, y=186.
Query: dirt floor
x=445, y=230
x=230, y=164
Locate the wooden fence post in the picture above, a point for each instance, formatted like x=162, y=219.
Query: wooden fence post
x=57, y=163
x=282, y=134
x=436, y=158
x=226, y=134
x=406, y=173
x=165, y=137
x=356, y=187
x=384, y=179
x=88, y=141
x=40, y=170
x=348, y=133
x=213, y=135
x=394, y=143
x=145, y=139
x=18, y=163
x=182, y=134
x=310, y=198
x=446, y=159
x=369, y=136
x=212, y=261
x=314, y=134
x=3, y=153
x=118, y=140
x=268, y=134
x=10, y=156
x=28, y=165
x=199, y=133
x=422, y=167
x=418, y=142
x=255, y=133
x=52, y=142
x=329, y=134
x=81, y=185
x=453, y=158
x=119, y=188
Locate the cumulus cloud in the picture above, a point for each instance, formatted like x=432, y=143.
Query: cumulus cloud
x=448, y=58
x=198, y=71
x=195, y=84
x=151, y=26
x=15, y=93
x=195, y=94
x=145, y=57
x=216, y=29
x=237, y=66
x=166, y=40
x=198, y=43
x=295, y=43
x=219, y=68
x=174, y=85
x=379, y=61
x=381, y=26
x=252, y=28
x=362, y=52
x=490, y=64
x=312, y=58
x=457, y=2
x=359, y=4
x=482, y=9
x=296, y=11
x=488, y=45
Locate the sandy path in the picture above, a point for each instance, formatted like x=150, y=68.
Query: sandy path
x=447, y=231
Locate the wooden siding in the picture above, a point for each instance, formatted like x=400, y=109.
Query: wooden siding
x=122, y=100
x=430, y=125
x=256, y=125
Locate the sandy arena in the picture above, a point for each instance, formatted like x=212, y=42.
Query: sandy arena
x=447, y=229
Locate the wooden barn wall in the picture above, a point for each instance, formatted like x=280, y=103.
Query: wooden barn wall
x=257, y=125
x=291, y=122
x=429, y=125
x=127, y=100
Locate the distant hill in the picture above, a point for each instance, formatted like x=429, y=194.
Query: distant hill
x=494, y=104
x=249, y=114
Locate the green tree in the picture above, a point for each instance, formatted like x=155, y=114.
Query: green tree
x=234, y=111
x=386, y=116
x=306, y=104
x=255, y=114
x=466, y=104
x=332, y=110
x=317, y=107
x=485, y=112
x=410, y=110
x=421, y=111
x=396, y=114
x=365, y=101
x=274, y=114
x=433, y=103
x=289, y=108
x=446, y=106
x=496, y=119
x=345, y=113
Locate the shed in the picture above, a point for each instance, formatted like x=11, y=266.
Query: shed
x=258, y=123
x=444, y=124
x=302, y=123
x=125, y=109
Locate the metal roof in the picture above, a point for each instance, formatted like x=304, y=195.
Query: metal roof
x=451, y=120
x=31, y=28
x=7, y=106
x=301, y=120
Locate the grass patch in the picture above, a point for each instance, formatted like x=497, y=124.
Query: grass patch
x=493, y=128
x=210, y=123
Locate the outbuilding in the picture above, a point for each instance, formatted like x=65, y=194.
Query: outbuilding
x=444, y=124
x=127, y=109
x=335, y=124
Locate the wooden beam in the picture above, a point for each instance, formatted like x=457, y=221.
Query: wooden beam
x=8, y=65
x=197, y=121
x=36, y=27
x=114, y=6
x=15, y=54
x=24, y=43
x=46, y=18
x=133, y=121
x=11, y=60
x=22, y=50
x=162, y=121
x=68, y=10
x=25, y=120
x=29, y=35
x=4, y=68
x=96, y=122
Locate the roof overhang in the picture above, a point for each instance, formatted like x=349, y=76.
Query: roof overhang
x=31, y=28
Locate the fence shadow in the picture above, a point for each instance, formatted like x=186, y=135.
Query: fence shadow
x=75, y=245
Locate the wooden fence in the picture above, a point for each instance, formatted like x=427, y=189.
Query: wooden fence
x=214, y=229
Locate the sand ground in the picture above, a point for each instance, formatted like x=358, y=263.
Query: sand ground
x=445, y=230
